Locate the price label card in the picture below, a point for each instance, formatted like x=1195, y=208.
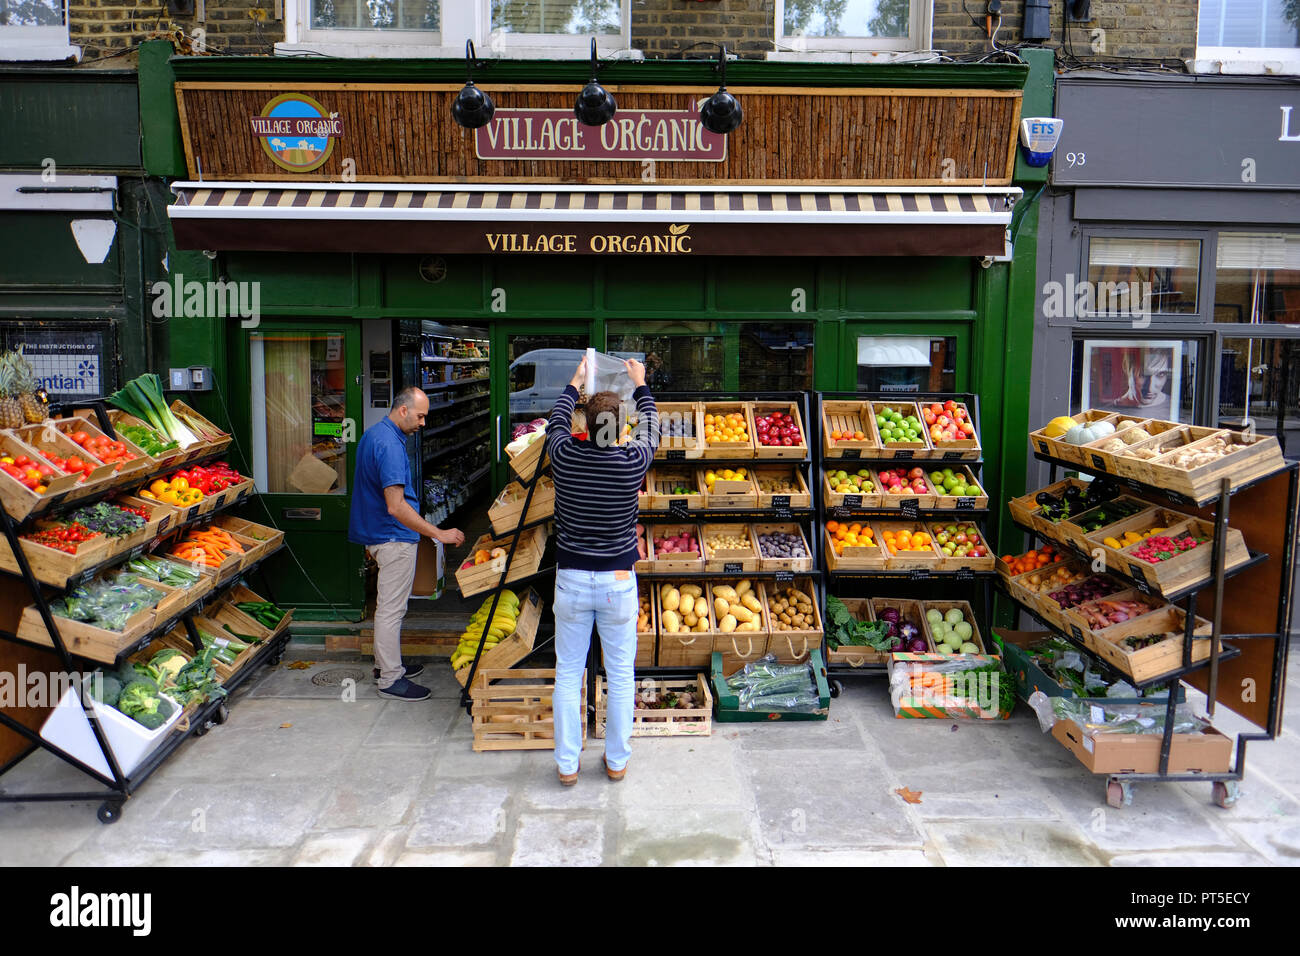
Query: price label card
x=852, y=453
x=675, y=454
x=839, y=511
x=1078, y=634
x=1098, y=463
x=965, y=503
x=679, y=508
x=965, y=574
x=781, y=501
x=782, y=514
x=56, y=500
x=192, y=513
x=911, y=508
x=1177, y=498
x=904, y=453
x=162, y=525
x=733, y=567
x=784, y=577
x=918, y=574
x=1140, y=578
x=136, y=552
x=1042, y=447
x=952, y=456
x=852, y=501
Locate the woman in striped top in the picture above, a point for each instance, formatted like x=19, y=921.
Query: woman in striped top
x=596, y=486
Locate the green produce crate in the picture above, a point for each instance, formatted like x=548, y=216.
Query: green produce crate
x=729, y=704
x=1029, y=677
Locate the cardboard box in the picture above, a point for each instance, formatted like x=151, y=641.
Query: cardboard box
x=430, y=569
x=1207, y=752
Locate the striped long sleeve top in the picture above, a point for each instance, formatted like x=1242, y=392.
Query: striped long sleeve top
x=596, y=488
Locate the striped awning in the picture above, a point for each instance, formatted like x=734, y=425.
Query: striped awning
x=510, y=218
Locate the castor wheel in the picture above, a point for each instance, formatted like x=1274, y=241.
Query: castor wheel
x=1225, y=793
x=275, y=658
x=202, y=729
x=109, y=812
x=837, y=688
x=221, y=714
x=1119, y=793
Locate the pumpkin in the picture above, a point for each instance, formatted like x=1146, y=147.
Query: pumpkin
x=1058, y=426
x=1084, y=434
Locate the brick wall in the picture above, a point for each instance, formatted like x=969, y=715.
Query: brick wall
x=663, y=29
x=956, y=35
x=106, y=27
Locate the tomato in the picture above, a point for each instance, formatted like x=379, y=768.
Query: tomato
x=22, y=460
x=75, y=464
x=79, y=437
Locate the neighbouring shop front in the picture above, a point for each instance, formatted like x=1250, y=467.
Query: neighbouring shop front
x=841, y=239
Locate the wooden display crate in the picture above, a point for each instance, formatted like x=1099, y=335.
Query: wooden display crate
x=241, y=593
x=734, y=493
x=1074, y=534
x=849, y=418
x=888, y=499
x=509, y=506
x=512, y=709
x=50, y=441
x=1059, y=447
x=19, y=500
x=866, y=557
x=798, y=497
x=515, y=646
x=209, y=447
x=267, y=540
x=732, y=449
x=741, y=560
x=183, y=597
x=168, y=459
x=127, y=471
x=946, y=502
x=483, y=577
x=842, y=499
x=1103, y=455
x=233, y=493
x=1190, y=566
x=685, y=648
x=1077, y=623
x=1140, y=524
x=910, y=611
x=661, y=482
x=858, y=656
x=687, y=447
x=907, y=560
x=53, y=567
x=1244, y=463
x=647, y=563
x=662, y=722
x=968, y=614
x=986, y=563
x=961, y=449
x=902, y=450
x=646, y=637
x=684, y=562
x=1026, y=509
x=1023, y=588
x=1172, y=436
x=87, y=640
x=1157, y=659
x=782, y=564
x=524, y=464
x=739, y=647
x=800, y=450
x=794, y=645
x=234, y=624
x=159, y=521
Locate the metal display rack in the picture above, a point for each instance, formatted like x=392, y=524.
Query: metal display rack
x=980, y=582
x=120, y=786
x=1268, y=506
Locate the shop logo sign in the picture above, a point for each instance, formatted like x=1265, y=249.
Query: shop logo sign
x=675, y=240
x=1287, y=136
x=297, y=132
x=631, y=136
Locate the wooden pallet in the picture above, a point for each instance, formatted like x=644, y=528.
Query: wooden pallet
x=656, y=722
x=517, y=714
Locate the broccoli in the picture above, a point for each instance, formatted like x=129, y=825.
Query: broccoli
x=150, y=721
x=105, y=688
x=138, y=697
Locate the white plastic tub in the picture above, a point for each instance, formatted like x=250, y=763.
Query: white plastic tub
x=68, y=728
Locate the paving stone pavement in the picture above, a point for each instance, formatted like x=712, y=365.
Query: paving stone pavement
x=317, y=776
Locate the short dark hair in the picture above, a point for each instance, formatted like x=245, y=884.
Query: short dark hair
x=406, y=397
x=603, y=418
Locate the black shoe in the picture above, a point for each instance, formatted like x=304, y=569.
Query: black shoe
x=403, y=689
x=412, y=670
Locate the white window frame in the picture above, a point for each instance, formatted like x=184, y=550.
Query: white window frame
x=1244, y=60
x=461, y=20
x=38, y=43
x=919, y=32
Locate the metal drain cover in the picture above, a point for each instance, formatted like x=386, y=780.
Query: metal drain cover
x=335, y=676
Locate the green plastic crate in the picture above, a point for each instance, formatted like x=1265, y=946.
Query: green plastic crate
x=728, y=708
x=1029, y=677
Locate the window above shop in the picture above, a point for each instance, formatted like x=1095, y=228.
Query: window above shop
x=1136, y=277
x=1247, y=36
x=516, y=29
x=1257, y=278
x=851, y=30
x=35, y=30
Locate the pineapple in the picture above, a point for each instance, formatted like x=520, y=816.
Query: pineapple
x=11, y=409
x=34, y=405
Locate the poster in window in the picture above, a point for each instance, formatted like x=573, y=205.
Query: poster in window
x=1135, y=379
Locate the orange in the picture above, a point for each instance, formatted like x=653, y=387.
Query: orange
x=831, y=526
x=836, y=436
x=855, y=527
x=858, y=436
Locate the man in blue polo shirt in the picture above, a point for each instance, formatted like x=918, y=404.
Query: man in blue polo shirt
x=385, y=517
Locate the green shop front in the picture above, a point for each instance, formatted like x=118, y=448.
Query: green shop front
x=864, y=229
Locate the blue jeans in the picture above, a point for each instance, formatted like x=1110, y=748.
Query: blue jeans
x=583, y=598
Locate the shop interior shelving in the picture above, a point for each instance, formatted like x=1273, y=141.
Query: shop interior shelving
x=1249, y=607
x=968, y=582
x=17, y=589
x=458, y=415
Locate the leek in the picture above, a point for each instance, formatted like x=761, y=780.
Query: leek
x=143, y=398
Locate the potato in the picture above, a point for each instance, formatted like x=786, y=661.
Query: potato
x=747, y=626
x=744, y=586
x=727, y=624
x=751, y=602
x=694, y=590
x=690, y=620
x=687, y=603
x=672, y=599
x=671, y=622
x=725, y=591
x=703, y=625
x=722, y=606
x=742, y=613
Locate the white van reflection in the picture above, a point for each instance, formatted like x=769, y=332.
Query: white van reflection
x=538, y=377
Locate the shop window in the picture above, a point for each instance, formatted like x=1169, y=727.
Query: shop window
x=376, y=15
x=1245, y=32
x=872, y=26
x=1131, y=278
x=1259, y=388
x=1136, y=378
x=366, y=28
x=907, y=363
x=776, y=356
x=35, y=30
x=678, y=357
x=1257, y=278
x=299, y=406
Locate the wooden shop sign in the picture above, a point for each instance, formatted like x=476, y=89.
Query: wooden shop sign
x=631, y=136
x=634, y=240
